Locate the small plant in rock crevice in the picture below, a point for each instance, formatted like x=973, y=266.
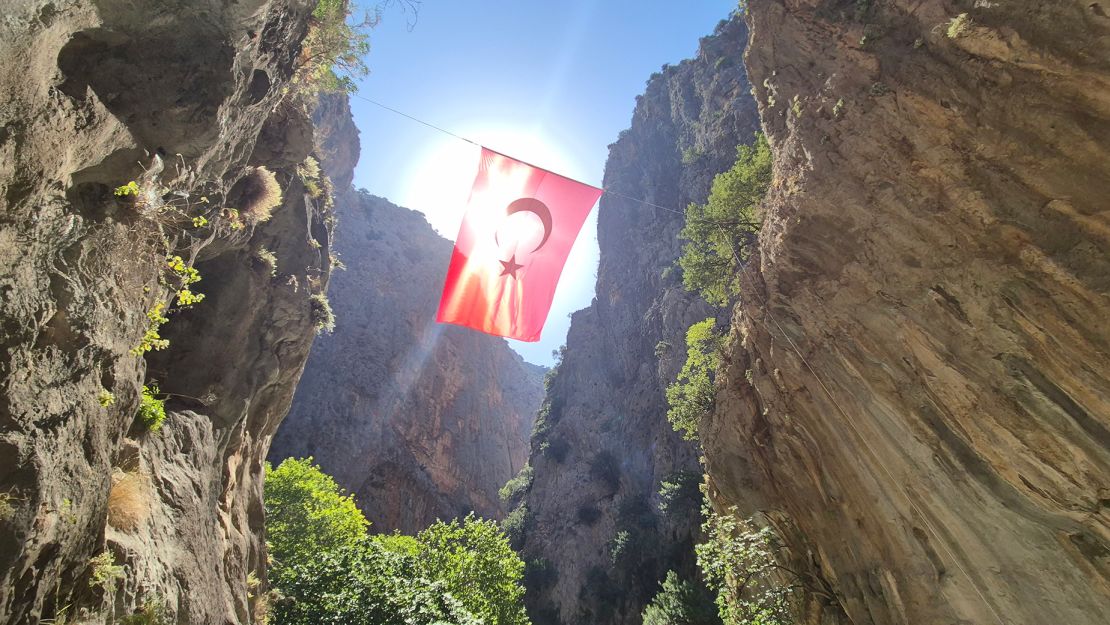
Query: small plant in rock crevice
x=105, y=574
x=128, y=503
x=267, y=258
x=152, y=411
x=958, y=26
x=323, y=319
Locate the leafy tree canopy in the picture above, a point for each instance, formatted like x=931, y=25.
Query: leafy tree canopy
x=680, y=602
x=327, y=569
x=721, y=233
x=691, y=396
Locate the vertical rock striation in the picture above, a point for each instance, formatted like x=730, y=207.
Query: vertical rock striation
x=91, y=88
x=603, y=444
x=925, y=329
x=419, y=420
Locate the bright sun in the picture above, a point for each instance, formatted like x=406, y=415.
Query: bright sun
x=438, y=185
x=438, y=182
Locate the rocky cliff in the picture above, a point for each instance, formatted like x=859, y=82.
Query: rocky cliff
x=596, y=542
x=925, y=328
x=419, y=420
x=187, y=98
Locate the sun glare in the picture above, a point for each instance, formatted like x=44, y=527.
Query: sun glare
x=438, y=185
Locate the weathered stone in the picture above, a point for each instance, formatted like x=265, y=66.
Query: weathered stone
x=926, y=326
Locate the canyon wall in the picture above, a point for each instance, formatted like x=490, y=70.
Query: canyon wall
x=603, y=445
x=915, y=391
x=185, y=97
x=419, y=420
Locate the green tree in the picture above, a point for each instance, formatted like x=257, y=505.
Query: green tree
x=691, y=396
x=738, y=562
x=474, y=560
x=333, y=50
x=306, y=512
x=328, y=570
x=681, y=603
x=721, y=233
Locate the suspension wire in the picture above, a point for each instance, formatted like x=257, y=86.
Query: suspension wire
x=472, y=142
x=793, y=346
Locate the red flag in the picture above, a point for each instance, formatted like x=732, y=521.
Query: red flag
x=518, y=229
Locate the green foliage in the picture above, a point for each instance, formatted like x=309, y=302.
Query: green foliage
x=691, y=396
x=514, y=489
x=105, y=573
x=332, y=52
x=152, y=338
x=622, y=548
x=738, y=562
x=477, y=565
x=307, y=513
x=958, y=26
x=267, y=258
x=680, y=602
x=153, y=612
x=540, y=573
x=7, y=510
x=328, y=570
x=690, y=155
x=323, y=319
x=185, y=276
x=516, y=524
x=721, y=233
x=152, y=411
x=131, y=188
x=679, y=493
x=105, y=397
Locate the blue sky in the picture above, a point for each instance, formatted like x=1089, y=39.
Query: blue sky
x=551, y=83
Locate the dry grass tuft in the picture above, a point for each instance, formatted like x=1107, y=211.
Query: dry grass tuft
x=261, y=194
x=128, y=504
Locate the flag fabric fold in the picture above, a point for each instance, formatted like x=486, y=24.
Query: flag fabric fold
x=519, y=226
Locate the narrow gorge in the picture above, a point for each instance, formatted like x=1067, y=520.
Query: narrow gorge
x=906, y=420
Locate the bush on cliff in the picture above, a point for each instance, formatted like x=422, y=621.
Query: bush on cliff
x=692, y=394
x=721, y=233
x=680, y=602
x=326, y=569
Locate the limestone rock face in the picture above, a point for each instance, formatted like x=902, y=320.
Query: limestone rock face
x=604, y=445
x=419, y=420
x=91, y=89
x=926, y=327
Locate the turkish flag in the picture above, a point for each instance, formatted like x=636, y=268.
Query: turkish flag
x=518, y=229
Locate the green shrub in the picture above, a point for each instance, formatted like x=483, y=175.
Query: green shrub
x=323, y=319
x=738, y=562
x=517, y=486
x=328, y=570
x=622, y=549
x=267, y=258
x=515, y=524
x=680, y=603
x=692, y=395
x=958, y=26
x=152, y=411
x=105, y=397
x=680, y=493
x=105, y=574
x=153, y=612
x=721, y=233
